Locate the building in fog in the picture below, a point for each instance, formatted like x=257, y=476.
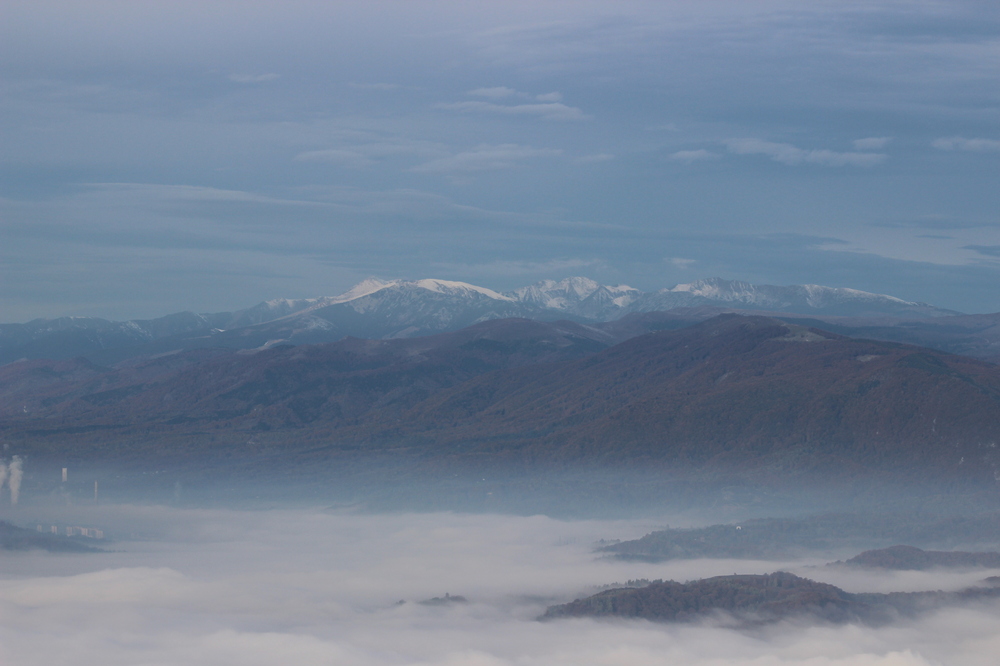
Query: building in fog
x=90, y=532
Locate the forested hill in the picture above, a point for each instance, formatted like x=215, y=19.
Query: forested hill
x=731, y=392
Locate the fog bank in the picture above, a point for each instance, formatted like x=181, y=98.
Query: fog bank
x=318, y=587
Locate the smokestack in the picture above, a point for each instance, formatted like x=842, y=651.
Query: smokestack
x=14, y=481
x=95, y=492
x=3, y=473
x=65, y=474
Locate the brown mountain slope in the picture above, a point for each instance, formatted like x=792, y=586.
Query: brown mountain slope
x=54, y=404
x=733, y=392
x=910, y=558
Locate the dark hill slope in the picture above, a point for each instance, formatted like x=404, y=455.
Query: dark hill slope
x=812, y=536
x=55, y=404
x=736, y=390
x=910, y=558
x=744, y=393
x=761, y=598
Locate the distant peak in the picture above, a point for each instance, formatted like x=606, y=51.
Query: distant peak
x=363, y=288
x=582, y=286
x=447, y=286
x=713, y=285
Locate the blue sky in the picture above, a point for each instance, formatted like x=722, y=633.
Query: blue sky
x=209, y=155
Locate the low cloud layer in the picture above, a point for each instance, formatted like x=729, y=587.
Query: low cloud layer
x=319, y=587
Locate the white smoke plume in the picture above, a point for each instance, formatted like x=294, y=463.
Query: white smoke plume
x=15, y=473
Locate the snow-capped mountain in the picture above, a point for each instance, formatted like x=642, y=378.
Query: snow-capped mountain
x=578, y=296
x=406, y=308
x=401, y=308
x=800, y=299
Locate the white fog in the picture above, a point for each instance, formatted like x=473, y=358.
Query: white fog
x=320, y=587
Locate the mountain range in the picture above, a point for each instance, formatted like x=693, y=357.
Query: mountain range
x=378, y=309
x=754, y=394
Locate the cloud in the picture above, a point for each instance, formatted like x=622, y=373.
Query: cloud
x=363, y=155
x=791, y=155
x=693, y=155
x=595, y=158
x=970, y=145
x=546, y=111
x=347, y=158
x=871, y=143
x=376, y=86
x=503, y=92
x=936, y=222
x=506, y=269
x=253, y=78
x=681, y=263
x=498, y=92
x=985, y=250
x=485, y=158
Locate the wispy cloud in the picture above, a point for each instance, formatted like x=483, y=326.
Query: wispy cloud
x=595, y=158
x=496, y=92
x=791, y=155
x=680, y=262
x=550, y=97
x=368, y=154
x=504, y=92
x=546, y=111
x=485, y=158
x=970, y=145
x=506, y=269
x=936, y=222
x=693, y=155
x=253, y=78
x=985, y=250
x=348, y=158
x=376, y=86
x=871, y=143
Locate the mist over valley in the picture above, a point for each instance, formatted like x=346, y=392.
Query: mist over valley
x=499, y=333
x=814, y=484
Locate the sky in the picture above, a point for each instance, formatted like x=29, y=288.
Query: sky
x=205, y=156
x=311, y=587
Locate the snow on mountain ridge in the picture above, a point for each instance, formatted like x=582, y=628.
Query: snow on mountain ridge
x=569, y=293
x=813, y=295
x=818, y=295
x=363, y=288
x=719, y=289
x=587, y=299
x=448, y=287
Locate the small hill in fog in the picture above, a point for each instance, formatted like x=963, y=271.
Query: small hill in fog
x=910, y=558
x=759, y=598
x=777, y=538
